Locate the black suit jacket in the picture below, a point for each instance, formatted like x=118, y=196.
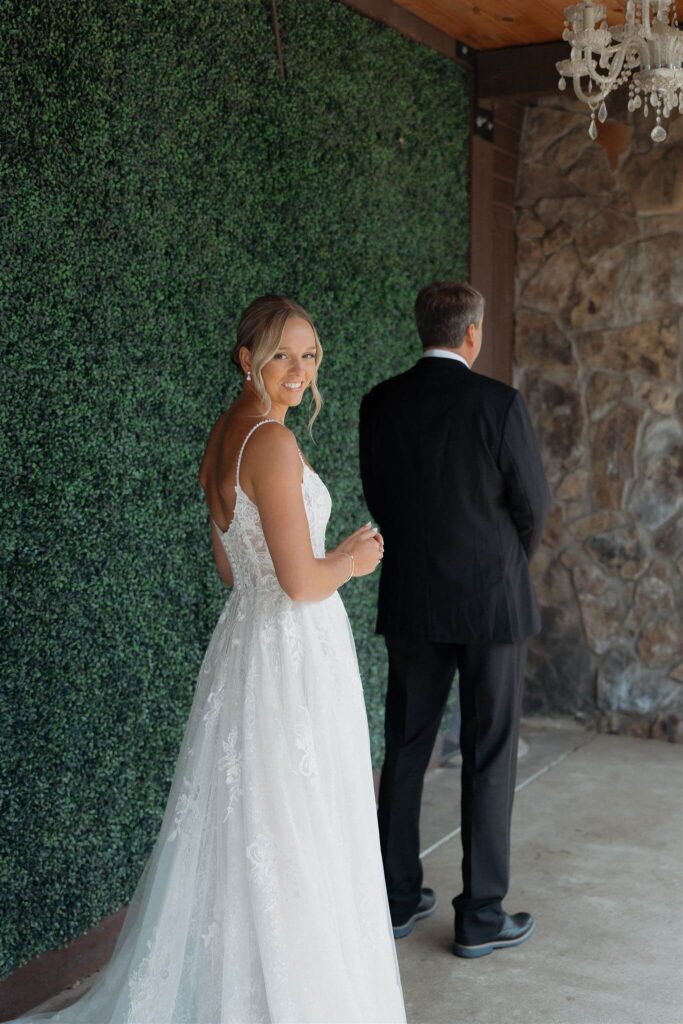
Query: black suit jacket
x=452, y=474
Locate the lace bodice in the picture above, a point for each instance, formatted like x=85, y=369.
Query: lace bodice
x=244, y=540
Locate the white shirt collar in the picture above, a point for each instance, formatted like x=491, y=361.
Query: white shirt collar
x=445, y=354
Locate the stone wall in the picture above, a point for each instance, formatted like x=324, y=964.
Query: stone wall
x=599, y=304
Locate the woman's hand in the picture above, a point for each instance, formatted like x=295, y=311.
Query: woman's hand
x=367, y=547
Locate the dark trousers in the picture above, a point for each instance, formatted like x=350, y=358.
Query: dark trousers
x=491, y=681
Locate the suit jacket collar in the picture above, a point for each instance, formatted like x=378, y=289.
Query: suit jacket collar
x=441, y=353
x=434, y=367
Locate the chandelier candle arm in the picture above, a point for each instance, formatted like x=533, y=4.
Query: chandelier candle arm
x=645, y=53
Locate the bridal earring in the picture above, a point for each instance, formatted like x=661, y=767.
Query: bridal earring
x=248, y=375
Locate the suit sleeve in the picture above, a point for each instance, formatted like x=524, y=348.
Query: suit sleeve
x=370, y=489
x=526, y=489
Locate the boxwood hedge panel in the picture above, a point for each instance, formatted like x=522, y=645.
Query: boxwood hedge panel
x=156, y=175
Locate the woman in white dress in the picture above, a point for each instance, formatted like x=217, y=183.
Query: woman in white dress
x=264, y=898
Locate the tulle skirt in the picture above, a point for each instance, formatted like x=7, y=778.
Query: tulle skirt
x=264, y=897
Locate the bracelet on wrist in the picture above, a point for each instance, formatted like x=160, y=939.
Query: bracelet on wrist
x=353, y=566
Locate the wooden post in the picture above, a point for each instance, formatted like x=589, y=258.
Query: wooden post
x=493, y=172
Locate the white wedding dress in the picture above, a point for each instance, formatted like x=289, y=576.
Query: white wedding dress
x=264, y=897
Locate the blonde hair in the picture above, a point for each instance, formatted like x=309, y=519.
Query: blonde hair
x=260, y=331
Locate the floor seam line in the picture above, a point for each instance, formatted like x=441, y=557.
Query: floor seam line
x=518, y=788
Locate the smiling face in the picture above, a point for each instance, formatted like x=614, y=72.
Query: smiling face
x=292, y=368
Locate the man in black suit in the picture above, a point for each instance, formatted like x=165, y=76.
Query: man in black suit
x=452, y=474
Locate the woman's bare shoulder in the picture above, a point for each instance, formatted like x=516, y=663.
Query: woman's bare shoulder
x=271, y=452
x=271, y=439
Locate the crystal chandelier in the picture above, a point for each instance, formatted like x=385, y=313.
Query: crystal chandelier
x=646, y=51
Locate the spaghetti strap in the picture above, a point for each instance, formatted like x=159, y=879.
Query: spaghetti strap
x=239, y=457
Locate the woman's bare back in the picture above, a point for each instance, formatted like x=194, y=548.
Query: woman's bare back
x=218, y=476
x=218, y=472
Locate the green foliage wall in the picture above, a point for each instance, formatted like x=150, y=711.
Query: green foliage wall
x=156, y=175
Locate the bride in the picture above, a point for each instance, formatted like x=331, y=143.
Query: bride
x=264, y=898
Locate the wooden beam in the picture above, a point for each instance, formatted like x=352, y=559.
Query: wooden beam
x=391, y=14
x=519, y=71
x=511, y=72
x=492, y=234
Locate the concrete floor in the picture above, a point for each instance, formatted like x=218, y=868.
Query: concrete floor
x=597, y=855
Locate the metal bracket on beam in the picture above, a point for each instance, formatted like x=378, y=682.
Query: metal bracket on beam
x=465, y=54
x=482, y=123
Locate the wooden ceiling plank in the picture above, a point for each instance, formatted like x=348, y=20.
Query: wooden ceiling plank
x=491, y=25
x=497, y=24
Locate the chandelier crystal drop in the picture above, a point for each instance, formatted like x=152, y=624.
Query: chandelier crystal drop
x=646, y=52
